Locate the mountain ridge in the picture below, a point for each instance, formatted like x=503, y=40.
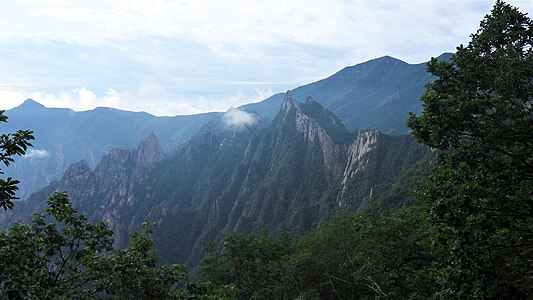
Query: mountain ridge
x=358, y=96
x=290, y=176
x=375, y=94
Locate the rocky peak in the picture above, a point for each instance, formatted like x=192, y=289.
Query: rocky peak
x=77, y=175
x=113, y=162
x=149, y=152
x=289, y=103
x=79, y=169
x=115, y=155
x=326, y=119
x=317, y=125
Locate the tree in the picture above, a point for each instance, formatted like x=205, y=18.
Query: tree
x=11, y=144
x=368, y=255
x=61, y=255
x=478, y=114
x=253, y=264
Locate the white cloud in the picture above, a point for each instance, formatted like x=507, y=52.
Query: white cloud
x=37, y=153
x=11, y=98
x=151, y=98
x=244, y=26
x=238, y=119
x=68, y=13
x=181, y=57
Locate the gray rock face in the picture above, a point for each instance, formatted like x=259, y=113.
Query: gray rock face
x=357, y=155
x=149, y=152
x=313, y=131
x=363, y=144
x=117, y=179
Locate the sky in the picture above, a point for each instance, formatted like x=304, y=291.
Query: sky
x=187, y=57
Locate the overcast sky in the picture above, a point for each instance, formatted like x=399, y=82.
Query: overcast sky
x=187, y=57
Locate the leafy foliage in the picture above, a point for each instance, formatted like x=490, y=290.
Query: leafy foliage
x=369, y=255
x=479, y=114
x=253, y=264
x=354, y=256
x=11, y=144
x=68, y=257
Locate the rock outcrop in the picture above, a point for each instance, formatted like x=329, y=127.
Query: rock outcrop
x=357, y=158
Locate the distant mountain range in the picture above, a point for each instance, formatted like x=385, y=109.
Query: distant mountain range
x=64, y=136
x=375, y=94
x=300, y=169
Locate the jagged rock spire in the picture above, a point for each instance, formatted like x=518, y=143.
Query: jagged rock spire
x=289, y=102
x=149, y=151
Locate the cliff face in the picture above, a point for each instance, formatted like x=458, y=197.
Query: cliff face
x=111, y=191
x=357, y=158
x=290, y=175
x=312, y=131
